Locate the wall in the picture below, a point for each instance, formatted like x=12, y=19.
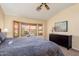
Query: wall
x=9, y=23
x=2, y=16
x=71, y=15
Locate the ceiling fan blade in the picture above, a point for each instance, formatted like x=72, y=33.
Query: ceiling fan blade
x=39, y=8
x=47, y=6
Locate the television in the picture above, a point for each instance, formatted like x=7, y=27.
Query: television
x=61, y=26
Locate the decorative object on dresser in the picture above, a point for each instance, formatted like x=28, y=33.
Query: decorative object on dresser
x=63, y=40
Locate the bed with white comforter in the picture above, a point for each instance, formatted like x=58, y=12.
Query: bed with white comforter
x=29, y=46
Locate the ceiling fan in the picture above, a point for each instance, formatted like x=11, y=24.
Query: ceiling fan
x=43, y=4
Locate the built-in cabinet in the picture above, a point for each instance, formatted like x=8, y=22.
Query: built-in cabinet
x=22, y=29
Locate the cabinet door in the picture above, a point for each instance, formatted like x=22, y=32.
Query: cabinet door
x=16, y=29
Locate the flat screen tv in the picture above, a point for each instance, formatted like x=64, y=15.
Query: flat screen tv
x=61, y=26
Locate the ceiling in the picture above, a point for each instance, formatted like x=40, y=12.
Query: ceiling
x=29, y=9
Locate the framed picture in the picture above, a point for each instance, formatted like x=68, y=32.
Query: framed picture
x=61, y=26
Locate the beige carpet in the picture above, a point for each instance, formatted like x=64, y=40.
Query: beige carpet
x=69, y=52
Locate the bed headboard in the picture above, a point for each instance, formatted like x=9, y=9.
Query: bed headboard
x=0, y=29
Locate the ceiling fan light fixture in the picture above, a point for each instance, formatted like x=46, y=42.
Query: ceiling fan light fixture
x=43, y=4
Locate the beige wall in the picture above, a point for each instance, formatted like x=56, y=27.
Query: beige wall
x=1, y=18
x=9, y=23
x=70, y=14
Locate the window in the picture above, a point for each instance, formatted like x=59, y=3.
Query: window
x=16, y=29
x=22, y=29
x=40, y=29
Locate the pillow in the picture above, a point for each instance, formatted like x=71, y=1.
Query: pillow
x=10, y=42
x=2, y=36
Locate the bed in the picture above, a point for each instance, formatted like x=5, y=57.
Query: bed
x=28, y=46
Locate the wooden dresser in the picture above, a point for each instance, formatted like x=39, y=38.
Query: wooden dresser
x=63, y=40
